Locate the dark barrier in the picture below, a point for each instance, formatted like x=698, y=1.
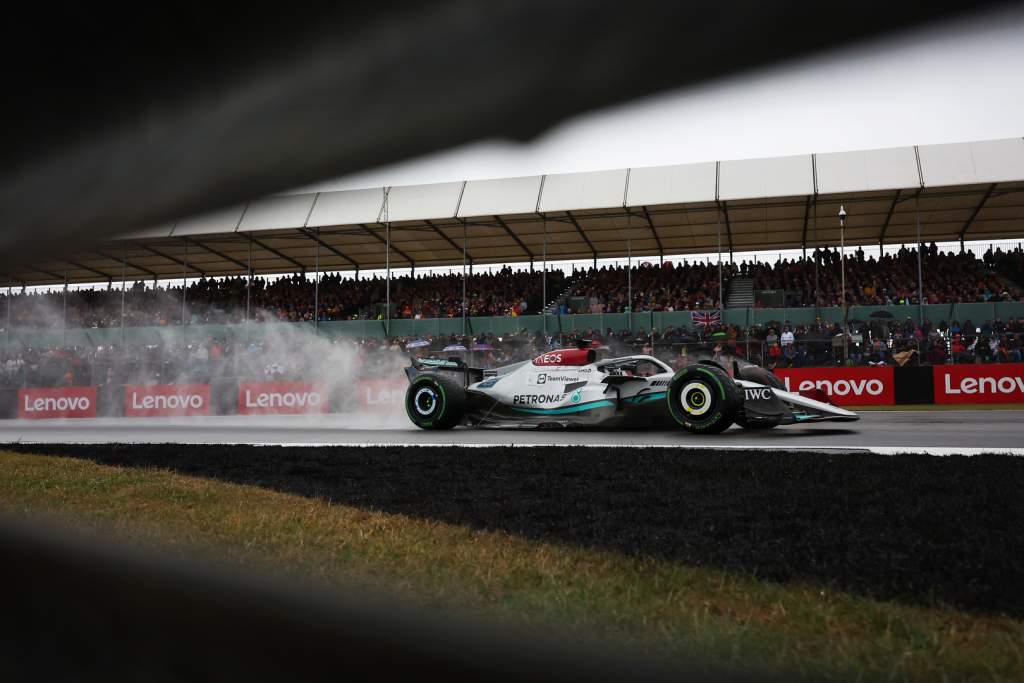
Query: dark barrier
x=224, y=396
x=109, y=400
x=80, y=609
x=8, y=404
x=913, y=385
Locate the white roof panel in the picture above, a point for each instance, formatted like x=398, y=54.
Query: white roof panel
x=672, y=184
x=879, y=169
x=225, y=220
x=502, y=196
x=999, y=160
x=758, y=178
x=279, y=211
x=971, y=163
x=347, y=207
x=947, y=165
x=423, y=202
x=591, y=190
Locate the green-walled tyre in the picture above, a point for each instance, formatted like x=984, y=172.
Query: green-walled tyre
x=703, y=399
x=435, y=401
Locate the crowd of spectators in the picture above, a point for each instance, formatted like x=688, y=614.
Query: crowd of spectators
x=667, y=287
x=1010, y=263
x=948, y=277
x=772, y=345
x=291, y=299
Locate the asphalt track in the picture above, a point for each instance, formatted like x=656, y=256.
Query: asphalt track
x=937, y=432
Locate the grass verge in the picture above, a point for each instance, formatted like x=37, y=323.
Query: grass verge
x=659, y=605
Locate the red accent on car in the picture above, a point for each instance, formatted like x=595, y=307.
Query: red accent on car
x=816, y=395
x=566, y=357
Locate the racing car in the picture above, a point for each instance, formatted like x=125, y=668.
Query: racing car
x=571, y=388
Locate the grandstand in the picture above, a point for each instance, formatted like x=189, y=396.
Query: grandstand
x=923, y=194
x=956, y=192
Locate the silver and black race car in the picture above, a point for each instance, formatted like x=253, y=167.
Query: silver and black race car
x=571, y=388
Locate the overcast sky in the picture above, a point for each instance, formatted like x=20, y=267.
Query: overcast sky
x=945, y=84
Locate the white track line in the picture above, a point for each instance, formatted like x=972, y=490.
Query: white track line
x=878, y=450
x=940, y=451
x=882, y=451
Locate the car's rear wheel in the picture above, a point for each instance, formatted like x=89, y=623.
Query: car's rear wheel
x=435, y=401
x=703, y=399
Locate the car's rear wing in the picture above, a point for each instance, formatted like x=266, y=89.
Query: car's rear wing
x=453, y=365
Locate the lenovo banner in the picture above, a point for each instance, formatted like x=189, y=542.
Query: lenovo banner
x=35, y=404
x=166, y=399
x=260, y=398
x=844, y=386
x=996, y=383
x=376, y=395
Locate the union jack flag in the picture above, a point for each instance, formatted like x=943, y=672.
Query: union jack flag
x=706, y=318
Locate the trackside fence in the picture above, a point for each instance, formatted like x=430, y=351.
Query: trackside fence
x=178, y=335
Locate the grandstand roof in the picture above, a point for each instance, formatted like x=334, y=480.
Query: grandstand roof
x=964, y=191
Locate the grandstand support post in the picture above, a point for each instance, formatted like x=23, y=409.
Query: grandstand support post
x=7, y=324
x=544, y=281
x=464, y=235
x=184, y=287
x=920, y=276
x=387, y=264
x=629, y=268
x=817, y=255
x=718, y=232
x=316, y=283
x=124, y=265
x=248, y=292
x=842, y=267
x=64, y=324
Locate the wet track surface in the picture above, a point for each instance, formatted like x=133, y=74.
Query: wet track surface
x=936, y=430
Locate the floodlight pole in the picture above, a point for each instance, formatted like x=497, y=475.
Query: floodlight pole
x=842, y=260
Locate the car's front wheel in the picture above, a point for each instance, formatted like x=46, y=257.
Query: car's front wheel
x=435, y=401
x=703, y=399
